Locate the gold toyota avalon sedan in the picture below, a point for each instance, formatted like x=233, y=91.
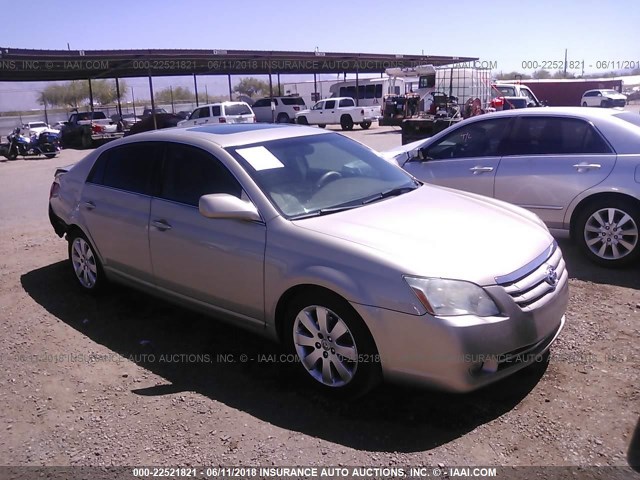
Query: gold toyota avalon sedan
x=312, y=239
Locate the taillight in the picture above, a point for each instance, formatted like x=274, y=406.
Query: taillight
x=222, y=120
x=97, y=128
x=297, y=109
x=498, y=102
x=53, y=191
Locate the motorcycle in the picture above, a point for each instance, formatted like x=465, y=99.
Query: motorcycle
x=47, y=144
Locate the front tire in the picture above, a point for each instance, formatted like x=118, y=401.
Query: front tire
x=584, y=104
x=335, y=349
x=86, y=141
x=85, y=264
x=607, y=232
x=302, y=121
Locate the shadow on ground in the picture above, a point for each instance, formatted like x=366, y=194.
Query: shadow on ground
x=581, y=268
x=391, y=418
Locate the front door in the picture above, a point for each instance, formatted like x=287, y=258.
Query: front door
x=216, y=261
x=467, y=158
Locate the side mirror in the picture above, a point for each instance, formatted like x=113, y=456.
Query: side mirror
x=223, y=205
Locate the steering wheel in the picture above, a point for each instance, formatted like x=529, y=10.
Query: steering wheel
x=328, y=177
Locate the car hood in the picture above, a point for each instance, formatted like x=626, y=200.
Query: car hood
x=441, y=232
x=616, y=96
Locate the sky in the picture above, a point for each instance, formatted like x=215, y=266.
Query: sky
x=512, y=35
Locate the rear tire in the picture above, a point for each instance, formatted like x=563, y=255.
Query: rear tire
x=335, y=349
x=85, y=264
x=282, y=118
x=346, y=122
x=365, y=125
x=321, y=125
x=607, y=232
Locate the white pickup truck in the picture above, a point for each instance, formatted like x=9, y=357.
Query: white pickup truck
x=338, y=111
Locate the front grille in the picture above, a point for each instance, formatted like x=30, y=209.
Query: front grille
x=534, y=288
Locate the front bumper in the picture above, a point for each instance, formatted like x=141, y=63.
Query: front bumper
x=461, y=354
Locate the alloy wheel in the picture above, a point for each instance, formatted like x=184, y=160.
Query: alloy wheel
x=325, y=346
x=611, y=233
x=84, y=263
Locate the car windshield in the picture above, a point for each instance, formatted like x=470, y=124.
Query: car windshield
x=237, y=109
x=630, y=117
x=37, y=124
x=318, y=174
x=609, y=92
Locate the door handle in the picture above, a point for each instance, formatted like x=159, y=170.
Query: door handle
x=587, y=166
x=89, y=205
x=161, y=225
x=479, y=169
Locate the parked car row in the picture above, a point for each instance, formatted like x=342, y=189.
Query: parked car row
x=443, y=272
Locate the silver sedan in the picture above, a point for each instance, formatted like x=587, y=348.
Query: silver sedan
x=577, y=168
x=310, y=238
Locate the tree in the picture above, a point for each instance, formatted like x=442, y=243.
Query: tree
x=541, y=74
x=512, y=76
x=180, y=94
x=252, y=86
x=76, y=92
x=562, y=74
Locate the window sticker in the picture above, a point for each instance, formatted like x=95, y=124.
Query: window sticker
x=260, y=158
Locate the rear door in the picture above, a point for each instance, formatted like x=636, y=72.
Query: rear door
x=216, y=261
x=548, y=161
x=115, y=205
x=467, y=158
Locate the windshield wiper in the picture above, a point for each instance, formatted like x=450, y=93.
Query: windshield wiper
x=325, y=211
x=394, y=192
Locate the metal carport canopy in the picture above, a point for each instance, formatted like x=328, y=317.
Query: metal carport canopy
x=40, y=65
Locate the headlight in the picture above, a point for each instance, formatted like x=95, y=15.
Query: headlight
x=452, y=297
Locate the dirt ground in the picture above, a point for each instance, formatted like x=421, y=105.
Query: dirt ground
x=126, y=379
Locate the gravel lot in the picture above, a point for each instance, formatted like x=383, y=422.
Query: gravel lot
x=125, y=379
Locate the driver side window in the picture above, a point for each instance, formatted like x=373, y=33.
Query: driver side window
x=478, y=139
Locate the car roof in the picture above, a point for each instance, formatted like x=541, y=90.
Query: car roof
x=592, y=113
x=229, y=135
x=227, y=102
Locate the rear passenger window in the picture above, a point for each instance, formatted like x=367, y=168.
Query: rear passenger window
x=189, y=173
x=346, y=102
x=216, y=111
x=554, y=136
x=130, y=168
